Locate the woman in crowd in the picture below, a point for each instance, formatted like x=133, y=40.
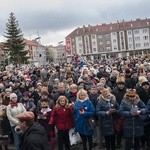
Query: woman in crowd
x=106, y=109
x=83, y=110
x=62, y=117
x=4, y=126
x=13, y=109
x=132, y=109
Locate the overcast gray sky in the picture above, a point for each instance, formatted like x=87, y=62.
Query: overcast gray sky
x=55, y=19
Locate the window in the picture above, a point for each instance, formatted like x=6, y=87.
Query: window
x=145, y=30
x=107, y=36
x=146, y=44
x=100, y=36
x=94, y=49
x=115, y=47
x=79, y=38
x=93, y=43
x=114, y=33
x=136, y=31
x=130, y=46
x=93, y=36
x=80, y=51
x=130, y=39
x=137, y=38
x=129, y=32
x=145, y=37
x=80, y=44
x=114, y=40
x=138, y=45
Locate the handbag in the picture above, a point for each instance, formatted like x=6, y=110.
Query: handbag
x=118, y=124
x=74, y=137
x=92, y=123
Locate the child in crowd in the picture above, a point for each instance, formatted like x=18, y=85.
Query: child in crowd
x=62, y=117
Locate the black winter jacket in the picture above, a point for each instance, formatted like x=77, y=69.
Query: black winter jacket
x=35, y=138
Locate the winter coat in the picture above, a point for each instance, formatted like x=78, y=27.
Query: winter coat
x=81, y=120
x=119, y=94
x=144, y=95
x=28, y=104
x=35, y=138
x=62, y=117
x=72, y=96
x=133, y=125
x=12, y=112
x=106, y=121
x=4, y=122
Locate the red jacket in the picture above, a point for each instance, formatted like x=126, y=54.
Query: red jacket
x=62, y=117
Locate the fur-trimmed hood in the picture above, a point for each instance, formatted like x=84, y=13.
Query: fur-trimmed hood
x=135, y=101
x=104, y=100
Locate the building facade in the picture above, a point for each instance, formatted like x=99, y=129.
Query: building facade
x=36, y=52
x=121, y=39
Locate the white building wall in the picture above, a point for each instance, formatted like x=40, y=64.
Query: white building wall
x=87, y=44
x=121, y=34
x=114, y=41
x=79, y=45
x=145, y=39
x=130, y=39
x=94, y=43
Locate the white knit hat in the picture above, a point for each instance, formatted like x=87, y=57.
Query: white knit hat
x=12, y=95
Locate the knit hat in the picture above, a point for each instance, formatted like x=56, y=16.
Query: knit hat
x=12, y=95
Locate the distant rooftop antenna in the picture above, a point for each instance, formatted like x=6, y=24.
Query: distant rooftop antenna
x=38, y=38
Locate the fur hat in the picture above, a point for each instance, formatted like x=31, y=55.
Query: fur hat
x=131, y=93
x=142, y=79
x=12, y=95
x=120, y=79
x=141, y=66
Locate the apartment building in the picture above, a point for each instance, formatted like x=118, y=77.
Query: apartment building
x=36, y=52
x=120, y=39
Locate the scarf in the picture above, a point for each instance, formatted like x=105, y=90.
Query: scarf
x=13, y=104
x=74, y=94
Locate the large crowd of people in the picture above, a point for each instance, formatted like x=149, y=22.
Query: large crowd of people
x=114, y=92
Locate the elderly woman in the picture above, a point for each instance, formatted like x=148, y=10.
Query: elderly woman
x=83, y=110
x=132, y=109
x=106, y=109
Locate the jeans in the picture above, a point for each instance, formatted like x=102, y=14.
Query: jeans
x=16, y=138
